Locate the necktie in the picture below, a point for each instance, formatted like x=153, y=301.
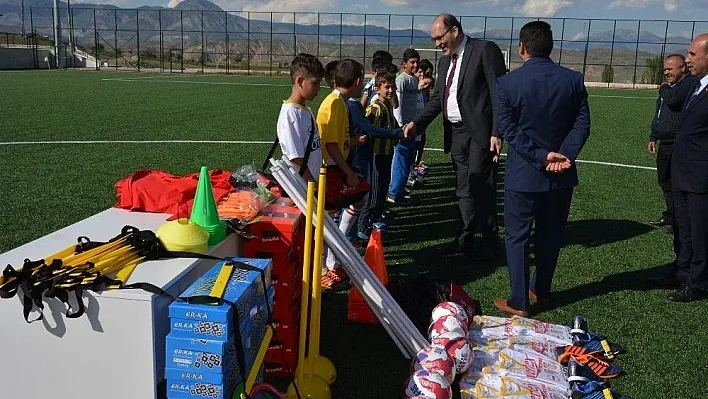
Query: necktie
x=694, y=94
x=453, y=66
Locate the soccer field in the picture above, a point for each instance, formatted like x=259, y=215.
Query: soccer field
x=66, y=137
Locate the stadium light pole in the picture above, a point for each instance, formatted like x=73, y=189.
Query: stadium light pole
x=22, y=15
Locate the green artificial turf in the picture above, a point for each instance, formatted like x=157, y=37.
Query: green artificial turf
x=610, y=249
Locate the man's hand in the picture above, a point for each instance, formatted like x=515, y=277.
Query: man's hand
x=495, y=146
x=362, y=139
x=352, y=179
x=652, y=147
x=408, y=131
x=557, y=163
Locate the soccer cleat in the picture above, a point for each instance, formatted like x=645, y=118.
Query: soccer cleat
x=599, y=349
x=600, y=368
x=335, y=281
x=380, y=226
x=606, y=393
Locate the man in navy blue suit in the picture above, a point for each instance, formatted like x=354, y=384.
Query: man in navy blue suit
x=543, y=114
x=689, y=174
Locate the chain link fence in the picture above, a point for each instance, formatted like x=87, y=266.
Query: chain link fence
x=245, y=42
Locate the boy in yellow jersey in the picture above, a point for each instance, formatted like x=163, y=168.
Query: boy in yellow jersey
x=296, y=123
x=343, y=182
x=380, y=114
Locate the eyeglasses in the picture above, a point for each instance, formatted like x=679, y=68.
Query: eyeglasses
x=439, y=38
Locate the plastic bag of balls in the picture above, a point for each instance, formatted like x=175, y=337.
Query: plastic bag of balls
x=435, y=367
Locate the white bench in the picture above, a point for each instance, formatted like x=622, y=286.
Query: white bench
x=114, y=351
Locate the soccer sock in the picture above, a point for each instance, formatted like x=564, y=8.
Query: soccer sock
x=348, y=219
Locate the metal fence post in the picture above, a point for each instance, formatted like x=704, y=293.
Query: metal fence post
x=270, y=64
x=388, y=39
x=35, y=56
x=115, y=35
x=636, y=53
x=248, y=43
x=202, y=21
x=364, y=60
x=666, y=34
x=341, y=22
x=511, y=40
x=181, y=50
x=612, y=53
x=95, y=40
x=137, y=28
x=318, y=35
x=162, y=41
x=587, y=46
x=228, y=45
x=560, y=53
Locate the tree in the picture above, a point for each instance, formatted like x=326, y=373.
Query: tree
x=654, y=72
x=608, y=74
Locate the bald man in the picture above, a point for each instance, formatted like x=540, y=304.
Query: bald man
x=689, y=177
x=464, y=94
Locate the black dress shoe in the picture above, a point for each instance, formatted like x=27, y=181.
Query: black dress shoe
x=686, y=294
x=453, y=249
x=660, y=222
x=664, y=282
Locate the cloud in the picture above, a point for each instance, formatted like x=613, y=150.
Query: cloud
x=669, y=5
x=543, y=8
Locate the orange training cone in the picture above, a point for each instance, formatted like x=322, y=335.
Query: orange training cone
x=359, y=311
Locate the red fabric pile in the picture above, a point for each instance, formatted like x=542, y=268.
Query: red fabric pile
x=161, y=192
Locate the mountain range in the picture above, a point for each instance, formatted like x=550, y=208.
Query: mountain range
x=216, y=22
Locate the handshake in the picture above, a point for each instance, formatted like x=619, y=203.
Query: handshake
x=408, y=131
x=557, y=163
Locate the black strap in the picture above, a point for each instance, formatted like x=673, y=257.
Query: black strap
x=308, y=149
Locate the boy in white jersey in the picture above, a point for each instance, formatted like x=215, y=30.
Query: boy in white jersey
x=296, y=123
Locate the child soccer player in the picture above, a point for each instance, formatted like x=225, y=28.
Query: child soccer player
x=379, y=114
x=329, y=73
x=296, y=123
x=333, y=123
x=407, y=90
x=426, y=82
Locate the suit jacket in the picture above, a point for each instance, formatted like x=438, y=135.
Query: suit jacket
x=669, y=109
x=689, y=161
x=482, y=63
x=541, y=107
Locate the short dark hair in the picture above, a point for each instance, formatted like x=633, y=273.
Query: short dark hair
x=449, y=21
x=676, y=55
x=410, y=53
x=537, y=37
x=378, y=63
x=347, y=73
x=329, y=72
x=384, y=77
x=390, y=67
x=383, y=55
x=306, y=65
x=426, y=66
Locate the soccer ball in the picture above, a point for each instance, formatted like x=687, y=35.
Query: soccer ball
x=435, y=360
x=428, y=385
x=446, y=324
x=458, y=347
x=450, y=309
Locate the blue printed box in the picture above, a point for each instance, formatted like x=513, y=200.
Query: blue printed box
x=180, y=389
x=210, y=330
x=200, y=354
x=244, y=290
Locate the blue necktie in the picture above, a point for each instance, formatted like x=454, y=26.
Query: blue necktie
x=694, y=95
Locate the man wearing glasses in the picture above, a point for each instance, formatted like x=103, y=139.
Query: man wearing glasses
x=464, y=94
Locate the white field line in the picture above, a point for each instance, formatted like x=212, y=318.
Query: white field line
x=73, y=142
x=200, y=82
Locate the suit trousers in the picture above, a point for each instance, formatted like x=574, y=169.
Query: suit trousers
x=475, y=188
x=549, y=210
x=663, y=172
x=691, y=219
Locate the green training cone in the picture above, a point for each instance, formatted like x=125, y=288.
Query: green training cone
x=204, y=211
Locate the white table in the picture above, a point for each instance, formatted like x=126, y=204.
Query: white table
x=114, y=351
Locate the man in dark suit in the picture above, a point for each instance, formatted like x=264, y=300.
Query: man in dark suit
x=464, y=94
x=689, y=176
x=667, y=117
x=543, y=114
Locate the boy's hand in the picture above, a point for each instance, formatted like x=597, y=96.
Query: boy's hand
x=352, y=179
